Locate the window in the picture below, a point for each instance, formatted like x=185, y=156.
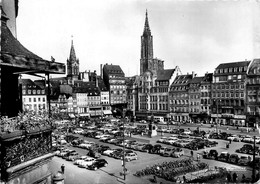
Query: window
x=34, y=92
x=29, y=92
x=39, y=99
x=43, y=99
x=24, y=92
x=30, y=99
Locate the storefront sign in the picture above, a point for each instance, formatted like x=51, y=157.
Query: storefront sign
x=215, y=115
x=240, y=116
x=227, y=115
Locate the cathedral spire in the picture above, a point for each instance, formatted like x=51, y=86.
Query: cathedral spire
x=72, y=51
x=147, y=30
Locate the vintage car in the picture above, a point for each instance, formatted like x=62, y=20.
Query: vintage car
x=224, y=156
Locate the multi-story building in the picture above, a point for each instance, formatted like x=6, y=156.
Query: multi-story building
x=194, y=99
x=229, y=93
x=34, y=97
x=179, y=98
x=253, y=93
x=205, y=97
x=114, y=79
x=131, y=92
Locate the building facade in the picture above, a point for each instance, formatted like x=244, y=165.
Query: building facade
x=229, y=93
x=34, y=97
x=253, y=93
x=114, y=80
x=179, y=98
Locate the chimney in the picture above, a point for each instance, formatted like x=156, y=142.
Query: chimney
x=96, y=82
x=101, y=71
x=193, y=74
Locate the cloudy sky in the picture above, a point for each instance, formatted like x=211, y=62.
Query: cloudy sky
x=194, y=35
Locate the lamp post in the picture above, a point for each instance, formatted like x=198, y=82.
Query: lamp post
x=253, y=171
x=124, y=169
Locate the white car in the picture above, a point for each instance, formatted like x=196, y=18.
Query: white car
x=105, y=136
x=78, y=131
x=79, y=160
x=171, y=140
x=187, y=132
x=86, y=162
x=162, y=139
x=108, y=152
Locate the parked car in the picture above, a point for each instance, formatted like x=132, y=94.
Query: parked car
x=234, y=138
x=233, y=158
x=156, y=148
x=98, y=164
x=108, y=152
x=161, y=140
x=244, y=160
x=86, y=162
x=80, y=159
x=73, y=156
x=78, y=131
x=162, y=150
x=178, y=152
x=130, y=156
x=212, y=154
x=168, y=152
x=224, y=156
x=147, y=148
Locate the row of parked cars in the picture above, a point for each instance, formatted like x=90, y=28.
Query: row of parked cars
x=186, y=141
x=227, y=157
x=235, y=138
x=83, y=161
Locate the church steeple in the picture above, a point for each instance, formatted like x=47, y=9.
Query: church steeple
x=72, y=52
x=72, y=64
x=147, y=30
x=146, y=47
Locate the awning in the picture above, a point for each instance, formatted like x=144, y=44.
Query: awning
x=107, y=112
x=84, y=114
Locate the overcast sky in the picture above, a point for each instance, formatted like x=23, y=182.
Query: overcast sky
x=194, y=35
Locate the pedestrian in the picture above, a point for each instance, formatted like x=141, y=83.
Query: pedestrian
x=235, y=177
x=191, y=153
x=230, y=141
x=62, y=168
x=228, y=177
x=198, y=157
x=155, y=179
x=184, y=179
x=227, y=146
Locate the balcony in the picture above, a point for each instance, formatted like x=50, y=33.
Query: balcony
x=24, y=138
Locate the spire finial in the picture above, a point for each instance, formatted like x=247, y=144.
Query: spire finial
x=146, y=24
x=71, y=39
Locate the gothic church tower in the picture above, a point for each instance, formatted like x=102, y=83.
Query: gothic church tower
x=146, y=47
x=72, y=65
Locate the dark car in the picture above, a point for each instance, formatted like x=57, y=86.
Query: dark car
x=212, y=154
x=147, y=148
x=233, y=158
x=98, y=164
x=156, y=148
x=224, y=156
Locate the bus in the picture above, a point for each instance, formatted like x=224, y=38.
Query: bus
x=158, y=119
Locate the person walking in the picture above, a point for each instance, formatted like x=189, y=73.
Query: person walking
x=228, y=177
x=62, y=168
x=230, y=141
x=198, y=157
x=184, y=179
x=191, y=154
x=235, y=177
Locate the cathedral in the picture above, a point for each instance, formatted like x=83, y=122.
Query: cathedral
x=147, y=62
